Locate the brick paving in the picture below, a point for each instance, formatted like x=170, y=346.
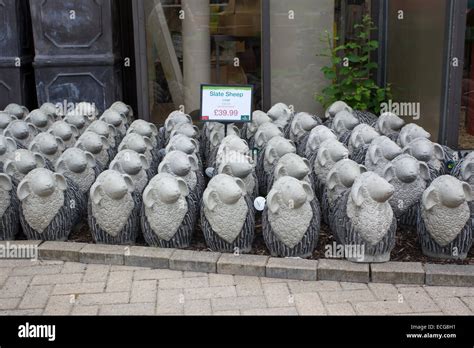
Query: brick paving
x=67, y=288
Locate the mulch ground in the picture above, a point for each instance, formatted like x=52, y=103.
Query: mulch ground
x=406, y=249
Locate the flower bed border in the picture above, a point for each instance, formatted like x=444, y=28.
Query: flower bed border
x=255, y=265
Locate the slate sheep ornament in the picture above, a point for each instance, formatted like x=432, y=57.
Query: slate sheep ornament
x=78, y=166
x=108, y=132
x=360, y=140
x=227, y=215
x=40, y=120
x=431, y=153
x=19, y=111
x=80, y=122
x=5, y=120
x=330, y=152
x=380, y=152
x=301, y=124
x=88, y=110
x=9, y=209
x=315, y=138
x=97, y=146
x=335, y=108
x=263, y=135
x=114, y=209
x=444, y=226
x=146, y=129
x=389, y=124
x=184, y=166
x=231, y=142
x=175, y=118
x=291, y=219
x=125, y=110
x=51, y=110
x=340, y=179
x=290, y=165
x=364, y=220
x=281, y=116
x=409, y=177
x=249, y=129
x=343, y=124
x=48, y=205
x=66, y=132
x=168, y=215
x=119, y=121
x=142, y=145
x=22, y=132
x=21, y=163
x=7, y=149
x=216, y=136
x=49, y=146
x=240, y=166
x=134, y=165
x=411, y=132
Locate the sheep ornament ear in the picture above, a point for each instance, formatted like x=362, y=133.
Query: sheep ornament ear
x=467, y=191
x=210, y=199
x=60, y=166
x=148, y=143
x=5, y=182
x=375, y=154
x=324, y=157
x=11, y=144
x=129, y=182
x=438, y=151
x=183, y=187
x=226, y=169
x=332, y=180
x=23, y=190
x=281, y=171
x=430, y=198
x=60, y=181
x=144, y=161
x=309, y=191
x=241, y=184
x=215, y=139
x=424, y=171
x=357, y=193
x=273, y=201
x=389, y=172
x=96, y=193
x=271, y=156
x=194, y=163
x=9, y=167
x=148, y=199
x=90, y=159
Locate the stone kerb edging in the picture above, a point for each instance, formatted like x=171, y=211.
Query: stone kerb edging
x=256, y=265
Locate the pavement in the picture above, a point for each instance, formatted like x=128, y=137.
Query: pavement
x=67, y=288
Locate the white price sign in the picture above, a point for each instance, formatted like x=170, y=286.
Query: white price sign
x=226, y=103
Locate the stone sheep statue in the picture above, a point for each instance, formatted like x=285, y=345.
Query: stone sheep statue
x=5, y=120
x=389, y=124
x=444, y=226
x=231, y=142
x=173, y=119
x=290, y=165
x=146, y=129
x=49, y=146
x=80, y=122
x=40, y=120
x=301, y=125
x=464, y=169
x=22, y=132
x=431, y=153
x=97, y=146
x=364, y=220
x=240, y=166
x=335, y=108
x=88, y=110
x=51, y=110
x=21, y=163
x=65, y=131
x=360, y=140
x=409, y=177
x=315, y=138
x=80, y=167
x=216, y=136
x=249, y=129
x=125, y=110
x=134, y=165
x=20, y=112
x=275, y=149
x=281, y=116
x=340, y=179
x=114, y=209
x=108, y=132
x=9, y=209
x=330, y=152
x=380, y=152
x=227, y=215
x=190, y=131
x=409, y=133
x=143, y=146
x=7, y=148
x=343, y=124
x=184, y=166
x=291, y=219
x=48, y=205
x=118, y=120
x=168, y=215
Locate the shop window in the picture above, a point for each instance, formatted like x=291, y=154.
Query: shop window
x=466, y=121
